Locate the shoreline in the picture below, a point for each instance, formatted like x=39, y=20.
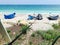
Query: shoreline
x=44, y=23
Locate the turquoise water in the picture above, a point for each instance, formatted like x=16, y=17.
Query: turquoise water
x=30, y=8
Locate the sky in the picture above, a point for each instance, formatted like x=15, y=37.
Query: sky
x=30, y=2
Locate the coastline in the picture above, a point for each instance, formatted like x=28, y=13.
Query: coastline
x=44, y=24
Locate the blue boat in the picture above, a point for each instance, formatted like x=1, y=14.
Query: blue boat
x=9, y=16
x=53, y=17
x=30, y=17
x=38, y=17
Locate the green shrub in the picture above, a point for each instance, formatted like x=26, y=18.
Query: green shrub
x=56, y=26
x=50, y=34
x=33, y=34
x=46, y=36
x=30, y=43
x=38, y=32
x=24, y=27
x=18, y=21
x=8, y=31
x=53, y=33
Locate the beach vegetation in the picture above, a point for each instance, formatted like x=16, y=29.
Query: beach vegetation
x=50, y=34
x=30, y=43
x=25, y=28
x=47, y=36
x=33, y=34
x=56, y=26
x=39, y=37
x=8, y=31
x=18, y=21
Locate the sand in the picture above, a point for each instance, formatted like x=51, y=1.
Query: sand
x=43, y=24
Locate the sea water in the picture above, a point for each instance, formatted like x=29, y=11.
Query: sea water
x=30, y=8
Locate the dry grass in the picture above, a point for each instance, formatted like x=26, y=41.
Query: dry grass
x=2, y=41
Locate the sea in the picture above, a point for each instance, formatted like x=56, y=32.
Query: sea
x=30, y=8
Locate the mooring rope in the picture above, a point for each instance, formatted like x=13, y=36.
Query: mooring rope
x=56, y=40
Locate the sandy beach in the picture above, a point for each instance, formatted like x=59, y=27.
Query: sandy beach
x=43, y=24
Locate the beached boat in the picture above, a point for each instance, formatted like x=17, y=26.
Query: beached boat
x=9, y=16
x=39, y=17
x=53, y=17
x=30, y=17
